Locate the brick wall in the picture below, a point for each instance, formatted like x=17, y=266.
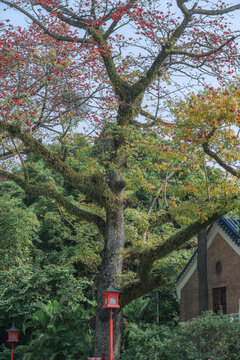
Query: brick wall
x=189, y=299
x=229, y=277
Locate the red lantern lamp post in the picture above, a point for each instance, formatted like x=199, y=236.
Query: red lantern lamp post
x=13, y=337
x=110, y=301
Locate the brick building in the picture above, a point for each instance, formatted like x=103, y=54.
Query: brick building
x=223, y=272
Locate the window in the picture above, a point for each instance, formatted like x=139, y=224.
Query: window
x=219, y=300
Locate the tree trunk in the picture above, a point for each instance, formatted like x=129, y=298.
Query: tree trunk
x=110, y=272
x=202, y=272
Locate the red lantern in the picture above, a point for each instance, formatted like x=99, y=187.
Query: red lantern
x=13, y=337
x=110, y=301
x=110, y=297
x=13, y=334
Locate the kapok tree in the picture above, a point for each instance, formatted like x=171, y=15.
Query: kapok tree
x=120, y=59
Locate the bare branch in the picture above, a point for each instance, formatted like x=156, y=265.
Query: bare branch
x=156, y=120
x=113, y=25
x=41, y=25
x=22, y=160
x=182, y=7
x=222, y=163
x=120, y=86
x=153, y=71
x=206, y=178
x=211, y=52
x=217, y=12
x=72, y=18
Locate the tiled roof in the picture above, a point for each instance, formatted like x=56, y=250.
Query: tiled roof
x=230, y=227
x=187, y=266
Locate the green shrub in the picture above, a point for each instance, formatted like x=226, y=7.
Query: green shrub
x=58, y=332
x=20, y=287
x=208, y=335
x=5, y=353
x=146, y=340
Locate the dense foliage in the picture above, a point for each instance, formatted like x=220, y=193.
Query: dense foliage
x=40, y=262
x=58, y=332
x=208, y=336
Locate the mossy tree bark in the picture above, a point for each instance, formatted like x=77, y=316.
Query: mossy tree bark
x=111, y=269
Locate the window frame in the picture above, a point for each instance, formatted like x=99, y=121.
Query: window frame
x=219, y=296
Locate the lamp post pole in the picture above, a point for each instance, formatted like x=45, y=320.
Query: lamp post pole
x=12, y=352
x=111, y=335
x=13, y=338
x=110, y=301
